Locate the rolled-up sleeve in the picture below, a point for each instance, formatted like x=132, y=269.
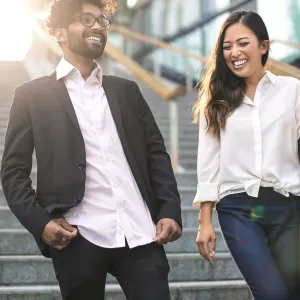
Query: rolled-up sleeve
x=208, y=164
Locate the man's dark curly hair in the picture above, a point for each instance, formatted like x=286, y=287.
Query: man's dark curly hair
x=62, y=11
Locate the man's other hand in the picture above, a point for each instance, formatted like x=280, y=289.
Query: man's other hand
x=58, y=233
x=167, y=230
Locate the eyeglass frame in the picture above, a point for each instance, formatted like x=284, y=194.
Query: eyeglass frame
x=96, y=19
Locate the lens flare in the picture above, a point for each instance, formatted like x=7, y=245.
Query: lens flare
x=257, y=213
x=15, y=30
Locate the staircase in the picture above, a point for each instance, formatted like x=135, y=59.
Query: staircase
x=26, y=275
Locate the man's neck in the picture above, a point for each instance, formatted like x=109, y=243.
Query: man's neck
x=83, y=65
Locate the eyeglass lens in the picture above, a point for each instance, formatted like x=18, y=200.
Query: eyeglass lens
x=89, y=21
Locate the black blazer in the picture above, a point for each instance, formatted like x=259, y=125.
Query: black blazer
x=43, y=119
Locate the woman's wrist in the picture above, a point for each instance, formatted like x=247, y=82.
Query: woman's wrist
x=205, y=215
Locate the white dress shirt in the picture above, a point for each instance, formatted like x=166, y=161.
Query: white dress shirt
x=112, y=207
x=258, y=146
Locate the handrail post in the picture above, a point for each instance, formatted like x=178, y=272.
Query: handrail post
x=124, y=44
x=174, y=133
x=157, y=64
x=189, y=76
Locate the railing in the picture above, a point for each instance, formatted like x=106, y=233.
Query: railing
x=154, y=81
x=128, y=35
x=287, y=43
x=277, y=67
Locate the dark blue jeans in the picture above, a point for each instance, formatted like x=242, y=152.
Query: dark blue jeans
x=262, y=235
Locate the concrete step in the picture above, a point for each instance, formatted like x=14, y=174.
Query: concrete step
x=185, y=144
x=190, y=162
x=19, y=270
x=189, y=218
x=20, y=242
x=187, y=179
x=8, y=220
x=187, y=193
x=211, y=290
x=188, y=158
x=183, y=128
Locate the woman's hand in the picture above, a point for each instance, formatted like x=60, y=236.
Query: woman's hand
x=206, y=241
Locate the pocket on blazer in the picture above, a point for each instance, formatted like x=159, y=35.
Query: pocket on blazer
x=45, y=200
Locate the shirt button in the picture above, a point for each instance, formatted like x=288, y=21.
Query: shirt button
x=81, y=165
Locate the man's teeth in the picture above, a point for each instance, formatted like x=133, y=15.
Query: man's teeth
x=93, y=38
x=240, y=62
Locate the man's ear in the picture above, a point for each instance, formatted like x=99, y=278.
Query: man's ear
x=265, y=46
x=61, y=35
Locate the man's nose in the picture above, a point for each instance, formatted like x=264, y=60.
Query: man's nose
x=97, y=26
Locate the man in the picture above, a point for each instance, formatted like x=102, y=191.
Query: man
x=106, y=197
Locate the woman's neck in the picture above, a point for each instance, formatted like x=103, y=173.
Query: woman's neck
x=253, y=80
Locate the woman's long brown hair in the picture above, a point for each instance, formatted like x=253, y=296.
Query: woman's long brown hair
x=223, y=90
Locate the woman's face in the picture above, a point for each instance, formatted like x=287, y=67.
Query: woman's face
x=242, y=51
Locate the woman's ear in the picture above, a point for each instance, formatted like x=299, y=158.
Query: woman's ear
x=61, y=35
x=264, y=47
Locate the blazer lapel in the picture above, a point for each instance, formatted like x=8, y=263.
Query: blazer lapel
x=60, y=90
x=112, y=98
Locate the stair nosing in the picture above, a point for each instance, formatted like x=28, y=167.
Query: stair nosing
x=111, y=287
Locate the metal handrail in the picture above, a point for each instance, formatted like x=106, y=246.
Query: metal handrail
x=157, y=43
x=287, y=43
x=277, y=67
x=141, y=73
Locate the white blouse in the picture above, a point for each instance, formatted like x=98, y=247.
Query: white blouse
x=258, y=146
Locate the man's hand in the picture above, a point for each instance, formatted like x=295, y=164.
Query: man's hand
x=58, y=233
x=167, y=230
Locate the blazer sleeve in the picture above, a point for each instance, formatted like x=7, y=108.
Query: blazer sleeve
x=208, y=163
x=161, y=173
x=16, y=167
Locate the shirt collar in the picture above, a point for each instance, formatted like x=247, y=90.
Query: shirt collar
x=269, y=76
x=65, y=69
x=272, y=77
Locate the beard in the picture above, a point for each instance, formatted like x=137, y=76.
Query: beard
x=81, y=46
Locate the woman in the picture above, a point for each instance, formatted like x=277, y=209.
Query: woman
x=247, y=159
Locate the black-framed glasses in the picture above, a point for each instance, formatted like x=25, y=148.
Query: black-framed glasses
x=89, y=20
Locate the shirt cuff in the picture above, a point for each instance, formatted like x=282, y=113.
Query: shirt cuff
x=206, y=192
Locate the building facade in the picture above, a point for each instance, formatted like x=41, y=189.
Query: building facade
x=165, y=18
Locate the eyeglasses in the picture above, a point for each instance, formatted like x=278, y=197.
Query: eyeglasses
x=89, y=20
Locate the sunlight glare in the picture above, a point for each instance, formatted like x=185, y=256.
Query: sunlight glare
x=15, y=30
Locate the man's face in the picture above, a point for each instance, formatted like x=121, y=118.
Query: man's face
x=88, y=42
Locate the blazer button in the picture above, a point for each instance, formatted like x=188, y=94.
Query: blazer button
x=81, y=165
x=77, y=200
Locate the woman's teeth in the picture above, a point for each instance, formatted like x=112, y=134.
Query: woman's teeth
x=239, y=63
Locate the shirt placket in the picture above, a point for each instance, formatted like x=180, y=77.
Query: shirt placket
x=119, y=209
x=118, y=200
x=257, y=134
x=107, y=156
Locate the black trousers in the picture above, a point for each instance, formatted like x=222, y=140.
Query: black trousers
x=262, y=235
x=81, y=271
